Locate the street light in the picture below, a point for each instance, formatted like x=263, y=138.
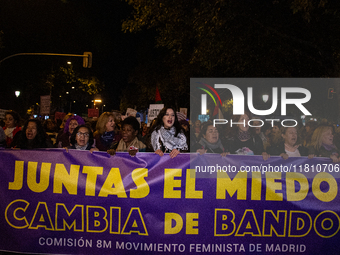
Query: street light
x=96, y=101
x=265, y=98
x=17, y=93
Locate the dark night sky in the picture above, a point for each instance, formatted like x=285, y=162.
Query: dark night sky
x=72, y=27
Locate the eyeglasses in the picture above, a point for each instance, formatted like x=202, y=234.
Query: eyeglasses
x=83, y=134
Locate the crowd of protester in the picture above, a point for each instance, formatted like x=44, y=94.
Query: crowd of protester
x=170, y=133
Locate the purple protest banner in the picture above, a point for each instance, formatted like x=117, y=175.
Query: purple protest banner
x=54, y=202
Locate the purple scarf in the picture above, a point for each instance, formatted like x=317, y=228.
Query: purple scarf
x=329, y=147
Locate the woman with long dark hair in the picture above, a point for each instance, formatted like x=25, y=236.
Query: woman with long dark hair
x=167, y=135
x=32, y=136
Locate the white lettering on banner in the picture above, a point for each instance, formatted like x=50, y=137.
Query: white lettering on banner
x=158, y=247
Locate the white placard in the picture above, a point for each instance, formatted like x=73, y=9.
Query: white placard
x=45, y=105
x=154, y=110
x=2, y=113
x=131, y=112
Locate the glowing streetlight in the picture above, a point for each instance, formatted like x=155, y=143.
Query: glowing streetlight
x=97, y=100
x=69, y=62
x=17, y=93
x=265, y=98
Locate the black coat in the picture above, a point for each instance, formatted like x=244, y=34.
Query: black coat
x=280, y=148
x=255, y=144
x=198, y=146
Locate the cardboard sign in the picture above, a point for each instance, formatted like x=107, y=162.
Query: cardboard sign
x=2, y=113
x=154, y=110
x=45, y=105
x=93, y=113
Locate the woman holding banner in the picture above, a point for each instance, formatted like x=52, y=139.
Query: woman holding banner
x=289, y=147
x=64, y=139
x=167, y=135
x=129, y=142
x=209, y=140
x=242, y=141
x=82, y=139
x=322, y=144
x=105, y=134
x=32, y=137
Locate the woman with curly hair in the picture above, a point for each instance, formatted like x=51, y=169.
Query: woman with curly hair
x=129, y=142
x=12, y=126
x=105, y=133
x=32, y=136
x=167, y=135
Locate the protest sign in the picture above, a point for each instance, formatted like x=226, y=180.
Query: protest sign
x=45, y=102
x=90, y=203
x=154, y=110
